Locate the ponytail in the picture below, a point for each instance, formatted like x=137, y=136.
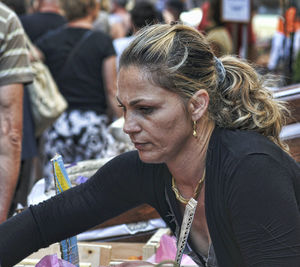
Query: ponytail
x=242, y=101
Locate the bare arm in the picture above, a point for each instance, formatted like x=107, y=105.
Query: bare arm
x=35, y=54
x=11, y=116
x=110, y=83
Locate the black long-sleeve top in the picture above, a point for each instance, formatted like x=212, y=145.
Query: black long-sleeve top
x=252, y=203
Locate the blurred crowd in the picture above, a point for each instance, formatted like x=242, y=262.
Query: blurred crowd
x=80, y=41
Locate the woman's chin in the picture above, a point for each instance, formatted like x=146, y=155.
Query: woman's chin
x=149, y=157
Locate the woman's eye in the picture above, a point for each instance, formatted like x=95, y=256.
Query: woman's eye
x=146, y=110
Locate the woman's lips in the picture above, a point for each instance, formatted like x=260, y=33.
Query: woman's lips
x=139, y=146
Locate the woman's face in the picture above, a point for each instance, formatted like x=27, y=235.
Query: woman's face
x=155, y=119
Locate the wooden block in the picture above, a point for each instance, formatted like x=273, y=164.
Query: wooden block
x=33, y=262
x=89, y=253
x=124, y=251
x=27, y=263
x=153, y=243
x=95, y=254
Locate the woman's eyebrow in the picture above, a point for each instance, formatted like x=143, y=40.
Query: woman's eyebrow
x=131, y=103
x=136, y=101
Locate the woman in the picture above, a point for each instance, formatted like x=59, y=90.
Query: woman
x=205, y=125
x=82, y=62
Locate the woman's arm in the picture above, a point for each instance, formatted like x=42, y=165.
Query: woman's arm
x=115, y=188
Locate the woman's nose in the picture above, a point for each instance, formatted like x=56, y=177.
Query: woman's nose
x=130, y=125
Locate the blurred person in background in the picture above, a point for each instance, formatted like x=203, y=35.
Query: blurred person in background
x=20, y=7
x=15, y=71
x=119, y=19
x=47, y=16
x=29, y=143
x=214, y=29
x=237, y=30
x=172, y=11
x=143, y=13
x=101, y=23
x=285, y=42
x=82, y=62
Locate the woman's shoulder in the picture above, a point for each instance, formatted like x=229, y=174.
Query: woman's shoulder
x=242, y=143
x=247, y=156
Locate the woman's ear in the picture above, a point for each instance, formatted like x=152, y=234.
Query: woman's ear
x=198, y=104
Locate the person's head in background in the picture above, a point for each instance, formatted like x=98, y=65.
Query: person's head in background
x=143, y=13
x=172, y=11
x=19, y=6
x=80, y=9
x=179, y=59
x=214, y=28
x=104, y=5
x=211, y=15
x=52, y=6
x=118, y=5
x=215, y=13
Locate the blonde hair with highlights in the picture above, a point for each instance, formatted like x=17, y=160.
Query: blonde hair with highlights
x=179, y=58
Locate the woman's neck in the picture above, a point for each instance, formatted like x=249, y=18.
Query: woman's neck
x=189, y=165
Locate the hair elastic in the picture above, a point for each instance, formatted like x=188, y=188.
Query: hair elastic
x=220, y=70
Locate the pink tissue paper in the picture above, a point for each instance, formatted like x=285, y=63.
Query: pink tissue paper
x=53, y=261
x=167, y=251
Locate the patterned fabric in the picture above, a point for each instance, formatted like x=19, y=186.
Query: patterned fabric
x=78, y=135
x=14, y=60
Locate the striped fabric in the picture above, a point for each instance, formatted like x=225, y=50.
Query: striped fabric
x=14, y=61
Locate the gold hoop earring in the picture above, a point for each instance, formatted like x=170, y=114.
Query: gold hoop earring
x=194, y=129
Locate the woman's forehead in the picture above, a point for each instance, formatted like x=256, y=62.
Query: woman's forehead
x=139, y=71
x=133, y=76
x=134, y=83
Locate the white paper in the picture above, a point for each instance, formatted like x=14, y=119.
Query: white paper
x=236, y=10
